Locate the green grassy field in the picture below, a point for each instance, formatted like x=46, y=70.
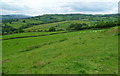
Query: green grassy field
x=19, y=23
x=80, y=52
x=58, y=25
x=25, y=34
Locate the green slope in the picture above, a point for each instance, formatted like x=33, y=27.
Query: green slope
x=25, y=34
x=18, y=23
x=81, y=52
x=58, y=25
x=37, y=20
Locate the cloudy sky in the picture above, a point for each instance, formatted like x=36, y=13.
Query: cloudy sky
x=39, y=7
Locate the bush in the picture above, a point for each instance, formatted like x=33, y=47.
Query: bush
x=23, y=21
x=8, y=29
x=60, y=30
x=75, y=26
x=51, y=29
x=106, y=24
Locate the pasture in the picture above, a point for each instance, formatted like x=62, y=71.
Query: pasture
x=79, y=52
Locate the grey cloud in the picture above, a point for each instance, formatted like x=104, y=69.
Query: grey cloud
x=12, y=7
x=64, y=8
x=90, y=6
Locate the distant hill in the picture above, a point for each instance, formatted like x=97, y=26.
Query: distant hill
x=4, y=17
x=60, y=22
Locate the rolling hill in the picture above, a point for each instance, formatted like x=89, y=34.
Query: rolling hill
x=77, y=44
x=4, y=17
x=60, y=21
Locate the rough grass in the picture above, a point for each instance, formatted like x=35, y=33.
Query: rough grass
x=81, y=52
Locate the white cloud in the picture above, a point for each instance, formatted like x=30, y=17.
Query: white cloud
x=37, y=7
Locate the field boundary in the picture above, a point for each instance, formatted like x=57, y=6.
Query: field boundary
x=32, y=36
x=45, y=35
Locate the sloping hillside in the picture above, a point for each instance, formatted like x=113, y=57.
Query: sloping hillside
x=81, y=52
